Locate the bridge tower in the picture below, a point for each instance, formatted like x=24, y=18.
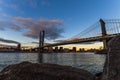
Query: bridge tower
x=41, y=41
x=104, y=33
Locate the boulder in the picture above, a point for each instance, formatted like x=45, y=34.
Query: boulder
x=98, y=76
x=36, y=71
x=112, y=65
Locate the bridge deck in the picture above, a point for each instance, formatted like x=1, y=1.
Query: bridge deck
x=90, y=39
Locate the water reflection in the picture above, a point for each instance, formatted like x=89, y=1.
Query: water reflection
x=74, y=59
x=40, y=57
x=88, y=61
x=91, y=62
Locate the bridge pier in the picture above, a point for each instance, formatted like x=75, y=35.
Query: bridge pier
x=41, y=41
x=105, y=44
x=104, y=33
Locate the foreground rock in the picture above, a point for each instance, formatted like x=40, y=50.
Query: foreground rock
x=34, y=71
x=98, y=76
x=112, y=64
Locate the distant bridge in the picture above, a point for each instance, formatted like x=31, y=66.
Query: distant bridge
x=103, y=30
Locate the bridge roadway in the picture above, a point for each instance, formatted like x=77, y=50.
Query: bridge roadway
x=82, y=40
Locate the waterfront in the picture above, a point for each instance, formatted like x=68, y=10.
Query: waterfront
x=88, y=61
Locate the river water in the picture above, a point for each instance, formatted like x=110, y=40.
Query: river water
x=88, y=61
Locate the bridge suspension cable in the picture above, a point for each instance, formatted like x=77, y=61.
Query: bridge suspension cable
x=112, y=26
x=94, y=30
x=100, y=31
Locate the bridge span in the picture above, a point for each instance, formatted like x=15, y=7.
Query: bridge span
x=77, y=41
x=102, y=31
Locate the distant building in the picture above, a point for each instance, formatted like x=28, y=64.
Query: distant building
x=56, y=49
x=81, y=50
x=50, y=49
x=19, y=47
x=61, y=49
x=66, y=50
x=74, y=49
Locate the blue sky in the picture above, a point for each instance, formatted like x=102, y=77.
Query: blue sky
x=65, y=18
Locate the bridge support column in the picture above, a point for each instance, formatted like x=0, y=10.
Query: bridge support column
x=41, y=41
x=105, y=44
x=104, y=33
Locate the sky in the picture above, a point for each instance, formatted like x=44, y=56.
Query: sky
x=21, y=20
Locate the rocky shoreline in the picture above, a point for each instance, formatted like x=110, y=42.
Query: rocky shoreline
x=36, y=71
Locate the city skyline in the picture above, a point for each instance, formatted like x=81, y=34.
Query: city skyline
x=21, y=21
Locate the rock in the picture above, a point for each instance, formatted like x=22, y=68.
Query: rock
x=112, y=65
x=35, y=71
x=98, y=76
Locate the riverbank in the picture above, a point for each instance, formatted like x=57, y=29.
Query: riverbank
x=101, y=52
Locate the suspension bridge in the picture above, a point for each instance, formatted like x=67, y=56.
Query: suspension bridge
x=102, y=31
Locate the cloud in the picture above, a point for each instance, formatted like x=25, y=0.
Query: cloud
x=8, y=41
x=35, y=42
x=32, y=27
x=52, y=28
x=5, y=15
x=9, y=25
x=2, y=29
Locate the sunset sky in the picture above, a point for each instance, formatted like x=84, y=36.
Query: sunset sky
x=21, y=20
